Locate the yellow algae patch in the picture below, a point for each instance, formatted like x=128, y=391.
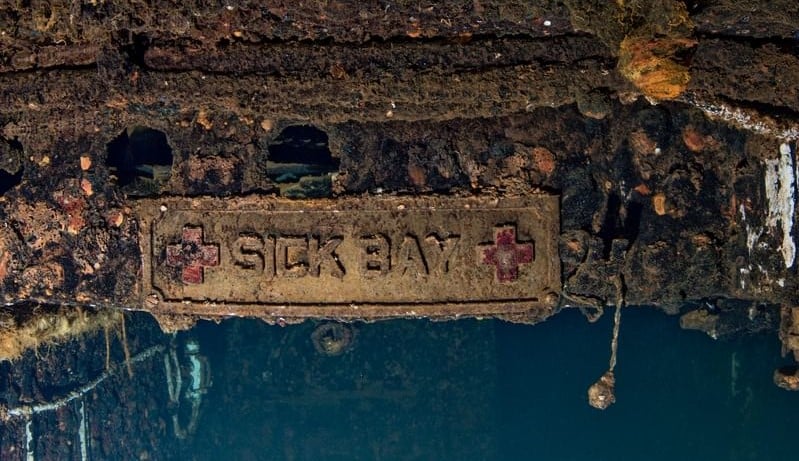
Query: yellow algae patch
x=18, y=336
x=652, y=65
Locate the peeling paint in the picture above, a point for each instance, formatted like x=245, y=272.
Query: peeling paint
x=82, y=442
x=744, y=273
x=780, y=182
x=30, y=445
x=752, y=237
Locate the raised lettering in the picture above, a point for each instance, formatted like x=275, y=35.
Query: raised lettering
x=269, y=258
x=375, y=255
x=350, y=257
x=292, y=256
x=248, y=253
x=411, y=258
x=441, y=250
x=322, y=256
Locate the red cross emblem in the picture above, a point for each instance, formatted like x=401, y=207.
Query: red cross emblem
x=506, y=254
x=192, y=255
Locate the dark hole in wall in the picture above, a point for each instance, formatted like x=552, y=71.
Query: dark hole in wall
x=135, y=48
x=632, y=223
x=614, y=227
x=140, y=154
x=696, y=6
x=10, y=164
x=8, y=181
x=611, y=224
x=15, y=145
x=300, y=161
x=302, y=144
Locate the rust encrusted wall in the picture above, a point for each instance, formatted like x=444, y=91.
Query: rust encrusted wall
x=668, y=129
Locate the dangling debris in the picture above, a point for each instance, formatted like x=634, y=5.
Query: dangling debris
x=199, y=382
x=602, y=394
x=32, y=409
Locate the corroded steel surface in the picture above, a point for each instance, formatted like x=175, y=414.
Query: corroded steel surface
x=669, y=133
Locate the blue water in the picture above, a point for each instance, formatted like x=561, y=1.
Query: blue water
x=489, y=390
x=676, y=395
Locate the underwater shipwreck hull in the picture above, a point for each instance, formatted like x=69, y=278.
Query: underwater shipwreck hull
x=652, y=157
x=369, y=160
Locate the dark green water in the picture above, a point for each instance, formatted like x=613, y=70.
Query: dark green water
x=488, y=390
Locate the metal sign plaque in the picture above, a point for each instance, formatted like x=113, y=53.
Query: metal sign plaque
x=355, y=258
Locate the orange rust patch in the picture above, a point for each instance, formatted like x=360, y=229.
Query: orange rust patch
x=73, y=204
x=544, y=160
x=701, y=240
x=115, y=218
x=86, y=186
x=117, y=103
x=574, y=245
x=204, y=121
x=337, y=71
x=414, y=32
x=641, y=143
x=695, y=141
x=417, y=175
x=642, y=189
x=5, y=257
x=659, y=203
x=463, y=38
x=85, y=162
x=75, y=224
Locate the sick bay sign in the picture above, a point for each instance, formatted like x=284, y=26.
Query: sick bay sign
x=350, y=258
